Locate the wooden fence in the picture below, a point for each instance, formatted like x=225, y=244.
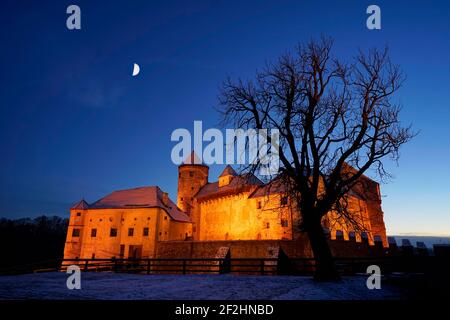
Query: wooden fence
x=261, y=266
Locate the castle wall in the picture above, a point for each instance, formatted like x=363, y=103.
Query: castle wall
x=238, y=248
x=238, y=217
x=104, y=245
x=357, y=208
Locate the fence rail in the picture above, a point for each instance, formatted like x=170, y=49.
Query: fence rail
x=262, y=266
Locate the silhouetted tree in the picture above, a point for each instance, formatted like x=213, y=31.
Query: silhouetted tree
x=332, y=117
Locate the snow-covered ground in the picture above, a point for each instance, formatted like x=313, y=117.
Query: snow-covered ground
x=106, y=285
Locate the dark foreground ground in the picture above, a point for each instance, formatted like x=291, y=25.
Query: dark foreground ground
x=107, y=286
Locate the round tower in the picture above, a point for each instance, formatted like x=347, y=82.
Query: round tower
x=192, y=176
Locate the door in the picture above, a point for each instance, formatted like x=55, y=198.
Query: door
x=134, y=252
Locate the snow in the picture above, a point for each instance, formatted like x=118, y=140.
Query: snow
x=106, y=285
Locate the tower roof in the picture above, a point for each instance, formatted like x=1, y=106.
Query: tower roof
x=228, y=171
x=192, y=159
x=80, y=205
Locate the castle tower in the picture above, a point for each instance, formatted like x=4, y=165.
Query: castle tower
x=75, y=230
x=192, y=176
x=226, y=176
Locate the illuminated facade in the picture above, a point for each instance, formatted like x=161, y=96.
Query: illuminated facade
x=130, y=223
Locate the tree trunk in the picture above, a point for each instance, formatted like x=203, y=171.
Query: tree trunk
x=325, y=267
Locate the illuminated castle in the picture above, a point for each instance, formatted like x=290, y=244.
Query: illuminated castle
x=133, y=223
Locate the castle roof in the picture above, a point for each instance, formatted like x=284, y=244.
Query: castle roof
x=80, y=205
x=228, y=171
x=192, y=159
x=241, y=183
x=273, y=187
x=143, y=197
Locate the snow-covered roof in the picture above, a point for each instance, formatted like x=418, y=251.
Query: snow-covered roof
x=237, y=185
x=80, y=205
x=142, y=197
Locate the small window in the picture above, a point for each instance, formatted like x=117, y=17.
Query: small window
x=165, y=217
x=181, y=198
x=78, y=214
x=130, y=232
x=284, y=223
x=284, y=201
x=192, y=188
x=160, y=233
x=267, y=225
x=75, y=233
x=93, y=233
x=145, y=232
x=258, y=205
x=191, y=173
x=93, y=256
x=113, y=232
x=165, y=232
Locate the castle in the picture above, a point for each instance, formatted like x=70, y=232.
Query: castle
x=239, y=209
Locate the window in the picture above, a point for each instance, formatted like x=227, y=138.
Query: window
x=284, y=201
x=130, y=232
x=191, y=173
x=267, y=225
x=75, y=233
x=113, y=232
x=165, y=217
x=145, y=232
x=181, y=198
x=258, y=205
x=93, y=256
x=78, y=214
x=284, y=223
x=93, y=233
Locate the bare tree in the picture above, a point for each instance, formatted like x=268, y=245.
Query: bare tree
x=336, y=120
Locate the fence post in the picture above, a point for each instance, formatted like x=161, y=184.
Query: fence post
x=148, y=266
x=262, y=267
x=184, y=266
x=114, y=264
x=86, y=265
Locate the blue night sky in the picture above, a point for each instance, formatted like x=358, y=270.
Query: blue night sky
x=74, y=123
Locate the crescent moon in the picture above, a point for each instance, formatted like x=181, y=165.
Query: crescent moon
x=136, y=69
